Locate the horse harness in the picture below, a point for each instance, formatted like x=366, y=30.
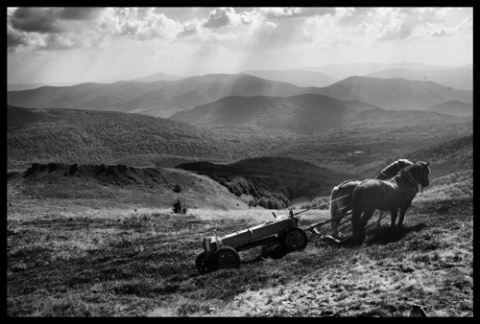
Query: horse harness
x=409, y=177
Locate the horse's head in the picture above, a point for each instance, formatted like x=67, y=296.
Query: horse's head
x=420, y=171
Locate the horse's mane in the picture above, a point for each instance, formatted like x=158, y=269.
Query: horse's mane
x=393, y=168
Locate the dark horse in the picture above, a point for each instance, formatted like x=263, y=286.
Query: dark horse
x=341, y=196
x=387, y=195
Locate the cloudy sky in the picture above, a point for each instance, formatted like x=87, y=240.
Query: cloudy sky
x=73, y=45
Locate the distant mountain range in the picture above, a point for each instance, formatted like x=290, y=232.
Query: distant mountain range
x=165, y=98
x=456, y=78
x=341, y=71
x=158, y=77
x=295, y=77
x=27, y=86
x=303, y=114
x=395, y=94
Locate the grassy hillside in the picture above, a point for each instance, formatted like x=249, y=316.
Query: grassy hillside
x=83, y=261
x=453, y=108
x=120, y=186
x=80, y=136
x=272, y=182
x=451, y=167
x=90, y=137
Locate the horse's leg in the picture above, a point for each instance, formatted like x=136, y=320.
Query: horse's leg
x=358, y=227
x=379, y=220
x=393, y=215
x=334, y=213
x=356, y=212
x=403, y=210
x=366, y=216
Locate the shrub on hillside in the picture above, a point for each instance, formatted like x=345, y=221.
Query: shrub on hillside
x=178, y=208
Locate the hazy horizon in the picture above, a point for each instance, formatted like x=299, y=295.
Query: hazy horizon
x=75, y=45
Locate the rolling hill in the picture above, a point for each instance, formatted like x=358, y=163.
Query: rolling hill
x=188, y=93
x=82, y=136
x=295, y=77
x=454, y=108
x=92, y=137
x=123, y=185
x=395, y=94
x=451, y=165
x=461, y=78
x=271, y=182
x=91, y=96
x=303, y=113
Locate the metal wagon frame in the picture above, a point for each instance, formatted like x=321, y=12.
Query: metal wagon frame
x=222, y=252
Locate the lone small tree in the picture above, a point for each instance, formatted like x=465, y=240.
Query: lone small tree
x=178, y=208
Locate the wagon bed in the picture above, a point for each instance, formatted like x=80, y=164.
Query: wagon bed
x=222, y=252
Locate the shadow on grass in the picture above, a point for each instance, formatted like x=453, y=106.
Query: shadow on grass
x=385, y=235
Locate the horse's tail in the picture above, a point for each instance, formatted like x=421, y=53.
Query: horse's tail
x=334, y=209
x=356, y=209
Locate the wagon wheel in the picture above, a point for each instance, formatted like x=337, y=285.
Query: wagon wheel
x=294, y=239
x=203, y=265
x=226, y=257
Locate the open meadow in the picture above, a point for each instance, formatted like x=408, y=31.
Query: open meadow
x=67, y=258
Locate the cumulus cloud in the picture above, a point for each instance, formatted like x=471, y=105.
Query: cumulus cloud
x=279, y=35
x=277, y=12
x=220, y=17
x=190, y=28
x=14, y=38
x=60, y=28
x=41, y=20
x=434, y=30
x=150, y=26
x=75, y=27
x=22, y=39
x=386, y=24
x=80, y=13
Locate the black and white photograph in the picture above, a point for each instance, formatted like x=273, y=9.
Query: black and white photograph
x=213, y=162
